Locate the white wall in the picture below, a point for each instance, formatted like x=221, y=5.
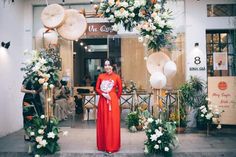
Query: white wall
x=11, y=29
x=196, y=24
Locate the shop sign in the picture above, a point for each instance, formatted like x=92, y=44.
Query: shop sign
x=221, y=92
x=196, y=63
x=100, y=29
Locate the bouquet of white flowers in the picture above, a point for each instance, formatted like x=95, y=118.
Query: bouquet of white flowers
x=42, y=68
x=149, y=17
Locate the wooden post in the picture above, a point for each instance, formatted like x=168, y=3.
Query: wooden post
x=47, y=102
x=155, y=104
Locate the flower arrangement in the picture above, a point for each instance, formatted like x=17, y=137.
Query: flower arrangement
x=161, y=137
x=209, y=113
x=137, y=120
x=179, y=117
x=44, y=135
x=148, y=17
x=42, y=68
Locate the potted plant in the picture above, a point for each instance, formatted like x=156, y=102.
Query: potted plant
x=132, y=121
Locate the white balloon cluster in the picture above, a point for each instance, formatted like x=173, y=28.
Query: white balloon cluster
x=161, y=68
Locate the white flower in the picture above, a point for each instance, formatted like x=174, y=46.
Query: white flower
x=51, y=135
x=36, y=155
x=159, y=141
x=158, y=121
x=218, y=126
x=124, y=4
x=51, y=86
x=156, y=146
x=166, y=149
x=140, y=39
x=158, y=133
x=204, y=110
x=209, y=116
x=202, y=115
x=39, y=146
x=32, y=133
x=41, y=81
x=39, y=138
x=202, y=107
x=207, y=99
x=150, y=120
x=115, y=27
x=45, y=85
x=42, y=116
x=145, y=149
x=111, y=2
x=153, y=137
x=43, y=143
x=131, y=9
x=65, y=133
x=41, y=131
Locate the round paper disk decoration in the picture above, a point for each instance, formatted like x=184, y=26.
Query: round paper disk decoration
x=74, y=26
x=156, y=62
x=158, y=80
x=170, y=69
x=49, y=37
x=53, y=16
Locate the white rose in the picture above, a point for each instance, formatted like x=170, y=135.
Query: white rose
x=167, y=149
x=159, y=141
x=32, y=133
x=39, y=138
x=156, y=146
x=51, y=135
x=36, y=155
x=41, y=81
x=150, y=120
x=38, y=146
x=42, y=116
x=51, y=86
x=41, y=131
x=43, y=143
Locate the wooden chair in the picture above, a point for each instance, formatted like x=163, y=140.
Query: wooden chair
x=126, y=102
x=143, y=98
x=89, y=102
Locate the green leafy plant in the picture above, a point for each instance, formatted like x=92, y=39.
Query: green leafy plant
x=192, y=93
x=132, y=120
x=44, y=135
x=161, y=137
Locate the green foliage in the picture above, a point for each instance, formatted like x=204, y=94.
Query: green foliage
x=161, y=137
x=44, y=135
x=132, y=119
x=192, y=93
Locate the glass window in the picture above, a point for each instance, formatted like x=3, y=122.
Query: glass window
x=221, y=10
x=218, y=41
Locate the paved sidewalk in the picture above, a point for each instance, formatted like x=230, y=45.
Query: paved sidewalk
x=82, y=142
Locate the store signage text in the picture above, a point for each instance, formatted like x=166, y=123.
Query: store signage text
x=197, y=61
x=99, y=29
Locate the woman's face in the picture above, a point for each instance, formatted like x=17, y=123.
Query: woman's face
x=107, y=67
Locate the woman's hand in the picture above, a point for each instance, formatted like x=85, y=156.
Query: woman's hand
x=107, y=96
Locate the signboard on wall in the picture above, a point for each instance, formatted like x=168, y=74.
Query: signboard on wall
x=99, y=29
x=220, y=61
x=196, y=63
x=221, y=91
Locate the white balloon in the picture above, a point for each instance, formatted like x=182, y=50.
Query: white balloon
x=50, y=37
x=158, y=80
x=170, y=69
